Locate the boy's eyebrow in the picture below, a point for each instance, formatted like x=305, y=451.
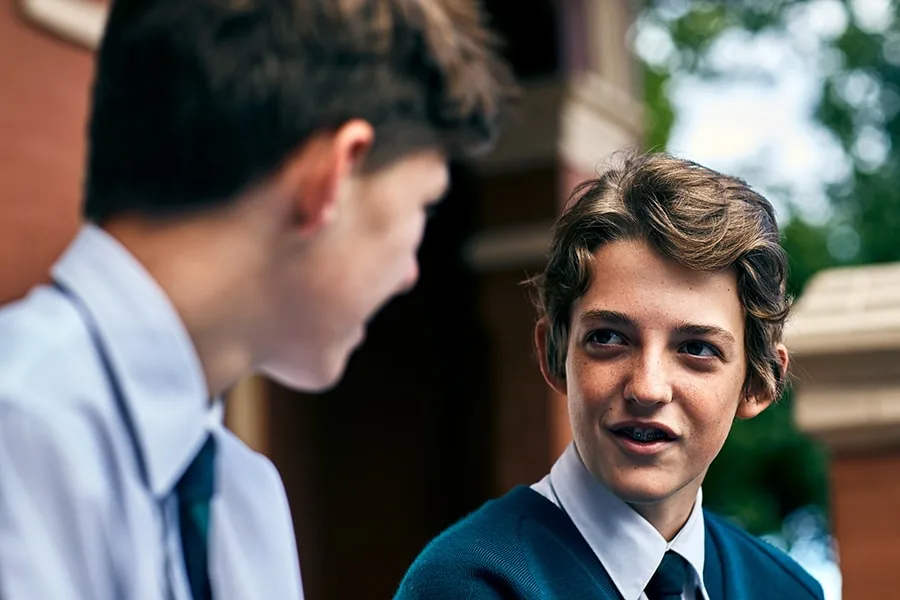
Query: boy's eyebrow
x=610, y=316
x=682, y=329
x=691, y=329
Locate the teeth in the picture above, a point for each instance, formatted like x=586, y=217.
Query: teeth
x=641, y=434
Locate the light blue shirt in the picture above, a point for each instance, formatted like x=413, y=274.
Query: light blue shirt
x=627, y=545
x=87, y=508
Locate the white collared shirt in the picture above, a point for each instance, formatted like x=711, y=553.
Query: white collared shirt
x=627, y=545
x=87, y=509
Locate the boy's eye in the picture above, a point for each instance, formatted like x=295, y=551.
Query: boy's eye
x=697, y=348
x=604, y=337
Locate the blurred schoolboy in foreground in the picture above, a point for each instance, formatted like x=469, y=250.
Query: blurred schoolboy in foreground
x=257, y=183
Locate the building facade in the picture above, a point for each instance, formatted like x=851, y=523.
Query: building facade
x=444, y=406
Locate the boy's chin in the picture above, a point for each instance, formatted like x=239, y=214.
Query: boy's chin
x=642, y=496
x=316, y=378
x=639, y=489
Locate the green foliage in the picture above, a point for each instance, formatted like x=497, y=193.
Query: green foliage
x=807, y=248
x=767, y=468
x=659, y=120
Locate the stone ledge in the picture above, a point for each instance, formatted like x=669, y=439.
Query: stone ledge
x=78, y=21
x=847, y=310
x=845, y=343
x=579, y=122
x=851, y=417
x=508, y=248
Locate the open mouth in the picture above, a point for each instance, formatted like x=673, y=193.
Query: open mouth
x=644, y=435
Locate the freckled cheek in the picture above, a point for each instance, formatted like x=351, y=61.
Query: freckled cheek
x=711, y=423
x=586, y=419
x=723, y=408
x=596, y=398
x=591, y=389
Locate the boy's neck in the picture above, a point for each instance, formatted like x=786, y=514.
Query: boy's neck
x=669, y=516
x=211, y=269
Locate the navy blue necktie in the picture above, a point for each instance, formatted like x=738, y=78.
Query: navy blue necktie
x=195, y=490
x=668, y=581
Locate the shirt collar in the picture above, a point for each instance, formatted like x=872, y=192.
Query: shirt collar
x=601, y=516
x=149, y=349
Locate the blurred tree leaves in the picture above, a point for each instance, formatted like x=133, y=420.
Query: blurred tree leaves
x=767, y=469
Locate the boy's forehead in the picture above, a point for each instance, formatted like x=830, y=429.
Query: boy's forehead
x=630, y=278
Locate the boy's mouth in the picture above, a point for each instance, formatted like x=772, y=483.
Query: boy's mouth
x=644, y=435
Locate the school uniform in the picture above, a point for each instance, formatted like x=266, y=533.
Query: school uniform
x=568, y=536
x=118, y=480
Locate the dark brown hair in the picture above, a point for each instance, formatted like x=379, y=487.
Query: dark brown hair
x=195, y=100
x=696, y=216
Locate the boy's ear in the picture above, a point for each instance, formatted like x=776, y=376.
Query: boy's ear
x=759, y=399
x=311, y=178
x=541, y=331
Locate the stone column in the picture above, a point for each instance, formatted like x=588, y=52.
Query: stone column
x=567, y=126
x=845, y=341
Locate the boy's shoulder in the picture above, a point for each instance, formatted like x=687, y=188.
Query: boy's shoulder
x=471, y=558
x=518, y=546
x=494, y=525
x=499, y=522
x=46, y=351
x=759, y=563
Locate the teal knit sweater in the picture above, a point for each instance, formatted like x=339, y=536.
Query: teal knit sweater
x=523, y=546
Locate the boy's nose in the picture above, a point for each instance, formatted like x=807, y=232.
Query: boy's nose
x=649, y=383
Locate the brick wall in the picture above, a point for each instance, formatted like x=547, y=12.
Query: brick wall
x=43, y=104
